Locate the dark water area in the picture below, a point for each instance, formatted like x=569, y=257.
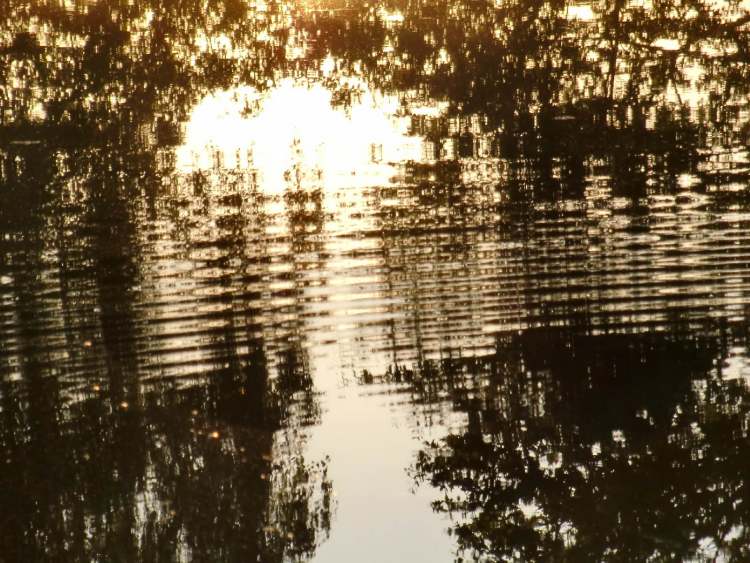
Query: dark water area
x=396, y=281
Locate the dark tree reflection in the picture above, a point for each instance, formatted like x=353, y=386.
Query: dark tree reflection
x=555, y=86
x=138, y=423
x=583, y=166
x=594, y=447
x=164, y=478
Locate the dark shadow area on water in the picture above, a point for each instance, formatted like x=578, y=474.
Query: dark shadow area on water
x=580, y=447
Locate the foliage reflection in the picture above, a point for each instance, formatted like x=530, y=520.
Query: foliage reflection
x=196, y=196
x=603, y=447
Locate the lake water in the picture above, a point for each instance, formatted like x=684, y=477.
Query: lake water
x=404, y=281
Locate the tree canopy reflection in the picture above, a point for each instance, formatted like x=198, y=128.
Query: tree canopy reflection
x=104, y=466
x=154, y=380
x=533, y=83
x=140, y=422
x=549, y=84
x=615, y=446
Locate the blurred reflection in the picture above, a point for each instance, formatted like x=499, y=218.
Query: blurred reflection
x=528, y=218
x=293, y=137
x=105, y=459
x=610, y=446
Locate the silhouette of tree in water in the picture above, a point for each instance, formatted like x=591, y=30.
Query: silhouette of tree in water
x=531, y=83
x=161, y=479
x=102, y=457
x=524, y=82
x=614, y=446
x=100, y=464
x=119, y=469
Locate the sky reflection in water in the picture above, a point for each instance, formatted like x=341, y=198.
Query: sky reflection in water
x=388, y=282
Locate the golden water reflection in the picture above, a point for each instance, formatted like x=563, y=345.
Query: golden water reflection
x=292, y=136
x=254, y=255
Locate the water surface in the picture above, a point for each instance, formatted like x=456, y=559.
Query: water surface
x=398, y=281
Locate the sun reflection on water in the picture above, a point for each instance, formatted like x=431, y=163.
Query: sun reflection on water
x=295, y=135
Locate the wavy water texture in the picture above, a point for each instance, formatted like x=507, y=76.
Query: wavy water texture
x=408, y=281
